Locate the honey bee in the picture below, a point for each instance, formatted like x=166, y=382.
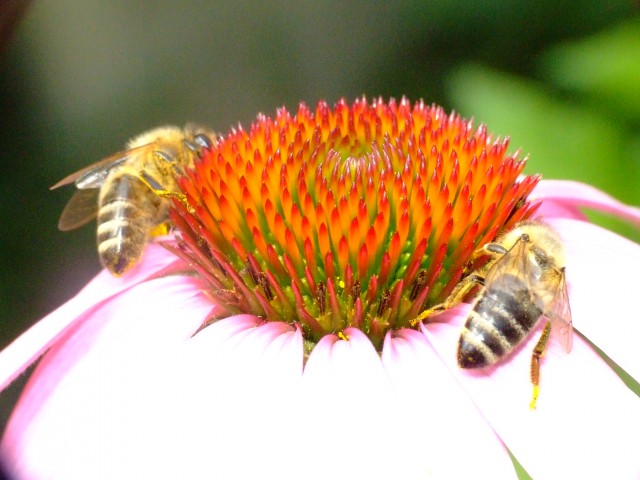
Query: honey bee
x=523, y=282
x=129, y=191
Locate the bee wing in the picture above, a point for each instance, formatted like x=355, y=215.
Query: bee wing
x=513, y=262
x=81, y=209
x=562, y=325
x=93, y=176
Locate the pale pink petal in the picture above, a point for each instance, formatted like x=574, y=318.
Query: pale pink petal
x=216, y=405
x=444, y=422
x=365, y=420
x=235, y=408
x=82, y=385
x=602, y=271
x=586, y=424
x=578, y=194
x=23, y=351
x=356, y=423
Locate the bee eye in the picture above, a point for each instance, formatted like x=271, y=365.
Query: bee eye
x=203, y=140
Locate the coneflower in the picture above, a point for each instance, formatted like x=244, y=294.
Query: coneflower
x=275, y=333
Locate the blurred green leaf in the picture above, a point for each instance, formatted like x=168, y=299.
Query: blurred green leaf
x=563, y=139
x=606, y=66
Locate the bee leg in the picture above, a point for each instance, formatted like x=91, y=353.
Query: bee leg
x=493, y=250
x=161, y=229
x=460, y=291
x=468, y=283
x=538, y=350
x=160, y=191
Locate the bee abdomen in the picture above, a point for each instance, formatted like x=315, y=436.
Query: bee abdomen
x=498, y=322
x=123, y=225
x=120, y=238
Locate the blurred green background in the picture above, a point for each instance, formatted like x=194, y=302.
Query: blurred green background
x=78, y=78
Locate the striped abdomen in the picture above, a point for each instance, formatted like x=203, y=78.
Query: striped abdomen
x=127, y=212
x=500, y=319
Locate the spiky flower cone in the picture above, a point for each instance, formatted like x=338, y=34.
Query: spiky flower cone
x=359, y=215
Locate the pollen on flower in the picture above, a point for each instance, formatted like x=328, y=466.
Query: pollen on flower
x=359, y=215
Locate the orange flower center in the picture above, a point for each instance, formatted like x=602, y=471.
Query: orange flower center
x=358, y=215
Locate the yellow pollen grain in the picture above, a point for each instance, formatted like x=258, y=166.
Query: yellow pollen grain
x=343, y=336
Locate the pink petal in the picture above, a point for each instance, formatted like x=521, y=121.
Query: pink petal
x=602, y=271
x=216, y=405
x=586, y=424
x=557, y=209
x=235, y=411
x=576, y=194
x=444, y=422
x=81, y=385
x=23, y=351
x=355, y=421
x=367, y=423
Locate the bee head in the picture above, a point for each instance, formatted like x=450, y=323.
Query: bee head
x=544, y=244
